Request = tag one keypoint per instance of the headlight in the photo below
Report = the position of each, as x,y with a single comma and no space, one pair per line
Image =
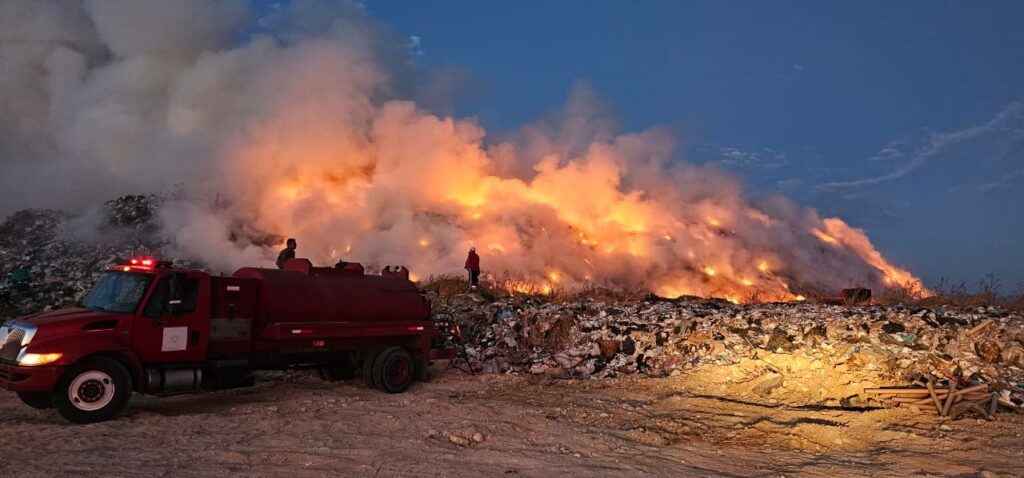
39,359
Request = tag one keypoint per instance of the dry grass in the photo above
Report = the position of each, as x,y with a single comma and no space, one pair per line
986,292
909,293
611,294
510,284
446,285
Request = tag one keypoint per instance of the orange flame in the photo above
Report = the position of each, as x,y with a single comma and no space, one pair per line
409,187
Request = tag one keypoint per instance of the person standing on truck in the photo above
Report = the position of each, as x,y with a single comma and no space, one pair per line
286,253
473,266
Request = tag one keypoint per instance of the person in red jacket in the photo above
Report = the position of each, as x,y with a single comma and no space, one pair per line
473,266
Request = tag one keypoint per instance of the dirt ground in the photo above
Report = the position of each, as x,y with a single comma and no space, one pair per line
292,424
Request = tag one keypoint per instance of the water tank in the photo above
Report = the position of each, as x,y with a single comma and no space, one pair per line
303,293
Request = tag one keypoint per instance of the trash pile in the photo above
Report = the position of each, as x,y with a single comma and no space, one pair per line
44,266
588,337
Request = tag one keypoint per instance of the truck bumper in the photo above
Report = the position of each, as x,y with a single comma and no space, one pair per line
28,379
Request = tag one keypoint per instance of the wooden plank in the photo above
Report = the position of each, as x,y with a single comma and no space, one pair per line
933,396
941,395
897,391
934,400
1007,403
919,405
923,408
978,328
910,399
976,388
949,399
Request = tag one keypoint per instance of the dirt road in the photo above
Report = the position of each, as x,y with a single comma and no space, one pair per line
294,425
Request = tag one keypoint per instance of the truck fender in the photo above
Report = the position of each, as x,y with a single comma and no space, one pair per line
115,346
133,364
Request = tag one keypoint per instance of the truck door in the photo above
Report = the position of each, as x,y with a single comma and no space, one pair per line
173,324
232,312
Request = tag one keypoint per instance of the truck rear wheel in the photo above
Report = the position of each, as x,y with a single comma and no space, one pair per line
393,370
368,360
39,400
92,390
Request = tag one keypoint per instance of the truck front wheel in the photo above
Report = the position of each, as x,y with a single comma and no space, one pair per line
39,400
393,370
92,390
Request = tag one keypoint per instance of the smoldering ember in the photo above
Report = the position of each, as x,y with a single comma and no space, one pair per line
243,237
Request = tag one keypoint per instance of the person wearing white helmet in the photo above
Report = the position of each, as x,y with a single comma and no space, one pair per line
473,266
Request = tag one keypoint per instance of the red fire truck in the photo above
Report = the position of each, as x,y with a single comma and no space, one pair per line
150,328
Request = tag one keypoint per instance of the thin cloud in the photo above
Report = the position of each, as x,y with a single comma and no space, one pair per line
888,154
789,184
939,145
1004,182
895,150
764,158
416,45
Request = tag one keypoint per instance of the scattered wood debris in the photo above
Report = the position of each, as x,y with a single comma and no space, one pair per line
945,402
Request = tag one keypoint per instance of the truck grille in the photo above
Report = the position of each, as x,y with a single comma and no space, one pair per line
10,346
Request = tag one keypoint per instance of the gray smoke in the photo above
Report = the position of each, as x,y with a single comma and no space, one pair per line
301,124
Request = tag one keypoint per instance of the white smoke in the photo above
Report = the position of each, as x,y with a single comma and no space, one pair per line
300,125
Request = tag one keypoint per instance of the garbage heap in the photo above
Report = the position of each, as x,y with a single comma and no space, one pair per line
50,259
869,345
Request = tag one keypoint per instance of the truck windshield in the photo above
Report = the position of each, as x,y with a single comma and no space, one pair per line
118,292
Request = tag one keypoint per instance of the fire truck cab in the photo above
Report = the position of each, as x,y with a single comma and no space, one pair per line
147,327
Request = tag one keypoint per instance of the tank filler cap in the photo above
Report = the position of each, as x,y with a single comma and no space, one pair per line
395,271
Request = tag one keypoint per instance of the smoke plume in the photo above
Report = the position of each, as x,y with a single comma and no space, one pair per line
301,125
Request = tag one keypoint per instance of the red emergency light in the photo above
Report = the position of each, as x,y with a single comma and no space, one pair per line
143,263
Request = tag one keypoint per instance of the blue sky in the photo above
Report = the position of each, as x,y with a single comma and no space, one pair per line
904,118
